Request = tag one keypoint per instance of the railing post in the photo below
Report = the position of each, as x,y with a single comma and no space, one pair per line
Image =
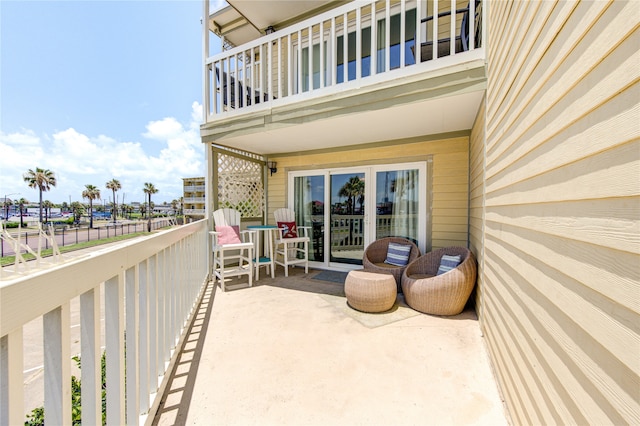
11,378
387,36
299,88
143,337
91,370
374,39
323,73
131,345
154,358
114,337
205,53
358,44
418,37
57,370
333,66
435,12
402,31
345,48
310,57
452,28
472,23
269,74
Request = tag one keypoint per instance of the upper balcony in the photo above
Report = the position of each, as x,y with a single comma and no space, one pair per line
307,71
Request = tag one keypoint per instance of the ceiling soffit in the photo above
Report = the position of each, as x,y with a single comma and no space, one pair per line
246,20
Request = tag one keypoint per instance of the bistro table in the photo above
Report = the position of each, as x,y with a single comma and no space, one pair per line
265,260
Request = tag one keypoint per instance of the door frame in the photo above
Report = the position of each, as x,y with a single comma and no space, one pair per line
369,171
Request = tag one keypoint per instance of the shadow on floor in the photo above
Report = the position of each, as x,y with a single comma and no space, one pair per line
174,405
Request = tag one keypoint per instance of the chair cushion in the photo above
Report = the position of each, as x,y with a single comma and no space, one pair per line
228,234
398,254
290,230
448,263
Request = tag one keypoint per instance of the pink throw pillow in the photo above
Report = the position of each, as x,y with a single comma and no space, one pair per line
228,234
290,230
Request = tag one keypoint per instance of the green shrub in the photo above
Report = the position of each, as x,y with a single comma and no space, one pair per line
36,418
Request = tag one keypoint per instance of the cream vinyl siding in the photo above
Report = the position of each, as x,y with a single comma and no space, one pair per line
561,264
476,199
450,171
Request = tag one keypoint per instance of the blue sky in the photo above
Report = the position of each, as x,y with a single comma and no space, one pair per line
97,90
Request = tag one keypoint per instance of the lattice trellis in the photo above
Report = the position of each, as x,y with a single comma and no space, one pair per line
240,185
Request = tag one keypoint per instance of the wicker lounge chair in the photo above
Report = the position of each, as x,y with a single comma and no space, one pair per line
444,294
376,253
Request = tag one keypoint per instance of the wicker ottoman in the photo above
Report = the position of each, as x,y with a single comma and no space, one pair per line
370,292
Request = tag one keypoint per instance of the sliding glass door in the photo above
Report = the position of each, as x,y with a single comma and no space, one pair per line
347,216
349,208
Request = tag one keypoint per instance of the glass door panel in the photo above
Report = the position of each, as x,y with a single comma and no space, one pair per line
309,207
347,217
397,204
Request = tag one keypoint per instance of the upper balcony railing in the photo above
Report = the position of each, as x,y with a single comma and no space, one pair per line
194,200
194,212
143,292
314,58
194,188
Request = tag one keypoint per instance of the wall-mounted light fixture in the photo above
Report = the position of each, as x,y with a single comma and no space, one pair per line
270,30
272,166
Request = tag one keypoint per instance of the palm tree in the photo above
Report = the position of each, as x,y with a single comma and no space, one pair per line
175,205
149,189
353,189
21,204
6,204
46,205
41,179
114,185
92,193
77,209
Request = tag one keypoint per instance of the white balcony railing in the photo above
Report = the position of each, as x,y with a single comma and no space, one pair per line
193,200
150,289
314,58
194,188
194,212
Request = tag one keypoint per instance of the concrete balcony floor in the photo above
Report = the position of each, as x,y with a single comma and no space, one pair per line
290,351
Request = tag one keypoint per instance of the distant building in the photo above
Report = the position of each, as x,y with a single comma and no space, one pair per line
164,209
194,198
9,207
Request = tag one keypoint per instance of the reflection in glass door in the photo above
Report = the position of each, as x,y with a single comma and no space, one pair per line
397,204
347,217
309,208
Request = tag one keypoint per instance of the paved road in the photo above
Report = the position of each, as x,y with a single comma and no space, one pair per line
69,235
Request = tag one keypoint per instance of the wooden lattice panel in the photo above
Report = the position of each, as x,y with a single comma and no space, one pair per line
240,185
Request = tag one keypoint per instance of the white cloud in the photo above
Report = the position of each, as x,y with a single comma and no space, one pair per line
78,159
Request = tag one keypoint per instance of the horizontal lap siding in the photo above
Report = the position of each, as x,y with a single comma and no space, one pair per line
451,198
476,200
450,171
561,263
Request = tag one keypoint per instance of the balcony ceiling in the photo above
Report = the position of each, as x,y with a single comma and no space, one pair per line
246,20
414,120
